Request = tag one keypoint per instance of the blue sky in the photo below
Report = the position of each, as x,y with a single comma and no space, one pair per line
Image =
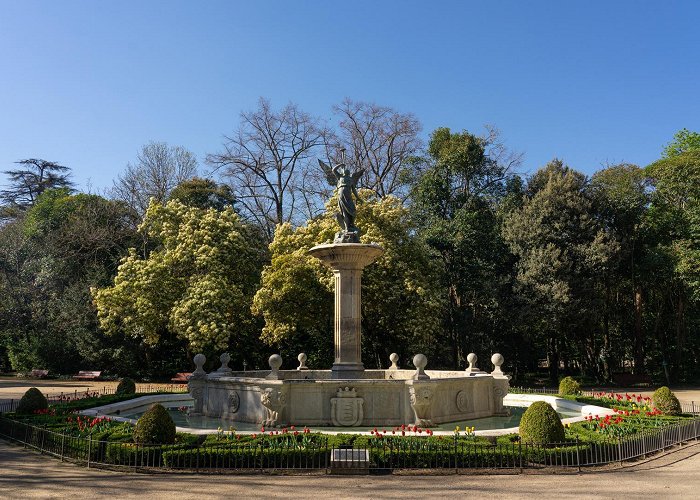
87,83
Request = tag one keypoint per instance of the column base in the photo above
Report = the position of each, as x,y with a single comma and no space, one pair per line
347,370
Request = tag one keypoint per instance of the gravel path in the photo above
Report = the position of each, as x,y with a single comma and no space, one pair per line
26,474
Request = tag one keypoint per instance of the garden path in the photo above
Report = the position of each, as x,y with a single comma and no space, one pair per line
26,474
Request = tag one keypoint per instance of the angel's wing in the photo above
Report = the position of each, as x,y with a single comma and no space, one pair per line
357,175
328,171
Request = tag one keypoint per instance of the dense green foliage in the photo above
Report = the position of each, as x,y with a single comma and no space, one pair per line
156,426
126,386
31,401
196,286
540,424
666,402
562,273
569,387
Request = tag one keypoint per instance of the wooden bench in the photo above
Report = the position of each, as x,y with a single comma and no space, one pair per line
631,379
182,377
39,373
87,375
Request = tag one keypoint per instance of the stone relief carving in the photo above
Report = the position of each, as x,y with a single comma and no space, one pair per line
347,408
197,394
462,401
274,401
421,402
234,402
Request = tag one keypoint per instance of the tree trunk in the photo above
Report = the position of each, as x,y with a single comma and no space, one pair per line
553,356
680,335
638,332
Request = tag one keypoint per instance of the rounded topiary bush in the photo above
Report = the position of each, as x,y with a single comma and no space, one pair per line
541,425
569,387
156,426
666,402
32,400
126,386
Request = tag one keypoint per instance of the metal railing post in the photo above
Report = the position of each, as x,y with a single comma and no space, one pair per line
89,449
520,455
578,456
63,444
619,450
455,450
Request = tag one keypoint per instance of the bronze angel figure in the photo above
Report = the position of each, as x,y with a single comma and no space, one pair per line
346,186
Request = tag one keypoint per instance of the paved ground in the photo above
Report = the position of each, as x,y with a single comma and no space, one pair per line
26,474
14,388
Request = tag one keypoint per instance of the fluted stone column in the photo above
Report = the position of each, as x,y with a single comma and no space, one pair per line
347,260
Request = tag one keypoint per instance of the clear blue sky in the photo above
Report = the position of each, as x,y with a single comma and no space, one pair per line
87,83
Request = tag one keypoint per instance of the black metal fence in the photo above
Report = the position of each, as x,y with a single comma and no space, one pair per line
319,453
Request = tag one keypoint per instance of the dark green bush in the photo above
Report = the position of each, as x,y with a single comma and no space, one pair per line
156,426
126,386
32,400
666,401
540,424
569,387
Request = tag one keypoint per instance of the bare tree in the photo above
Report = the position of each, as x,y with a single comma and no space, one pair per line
382,141
266,161
159,168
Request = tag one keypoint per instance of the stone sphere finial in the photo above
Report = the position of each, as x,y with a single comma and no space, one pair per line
394,358
224,358
497,360
471,359
420,362
275,361
302,361
199,361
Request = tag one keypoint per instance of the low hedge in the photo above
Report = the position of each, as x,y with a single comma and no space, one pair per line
246,457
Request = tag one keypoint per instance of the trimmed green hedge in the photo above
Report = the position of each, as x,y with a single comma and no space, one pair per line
156,426
666,401
540,424
569,387
32,401
126,386
246,457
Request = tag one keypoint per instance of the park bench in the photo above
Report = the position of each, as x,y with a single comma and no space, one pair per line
39,373
631,379
181,377
87,375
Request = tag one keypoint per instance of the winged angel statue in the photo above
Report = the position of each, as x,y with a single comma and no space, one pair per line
346,187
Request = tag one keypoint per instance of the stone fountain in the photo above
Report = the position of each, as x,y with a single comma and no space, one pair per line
347,395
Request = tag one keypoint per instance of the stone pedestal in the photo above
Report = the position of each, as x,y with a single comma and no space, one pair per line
347,261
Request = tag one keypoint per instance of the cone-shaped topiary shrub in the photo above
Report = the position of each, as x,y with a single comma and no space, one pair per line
569,387
155,427
126,386
32,400
666,401
541,425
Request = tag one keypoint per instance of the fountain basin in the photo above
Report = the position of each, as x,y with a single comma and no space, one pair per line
379,398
